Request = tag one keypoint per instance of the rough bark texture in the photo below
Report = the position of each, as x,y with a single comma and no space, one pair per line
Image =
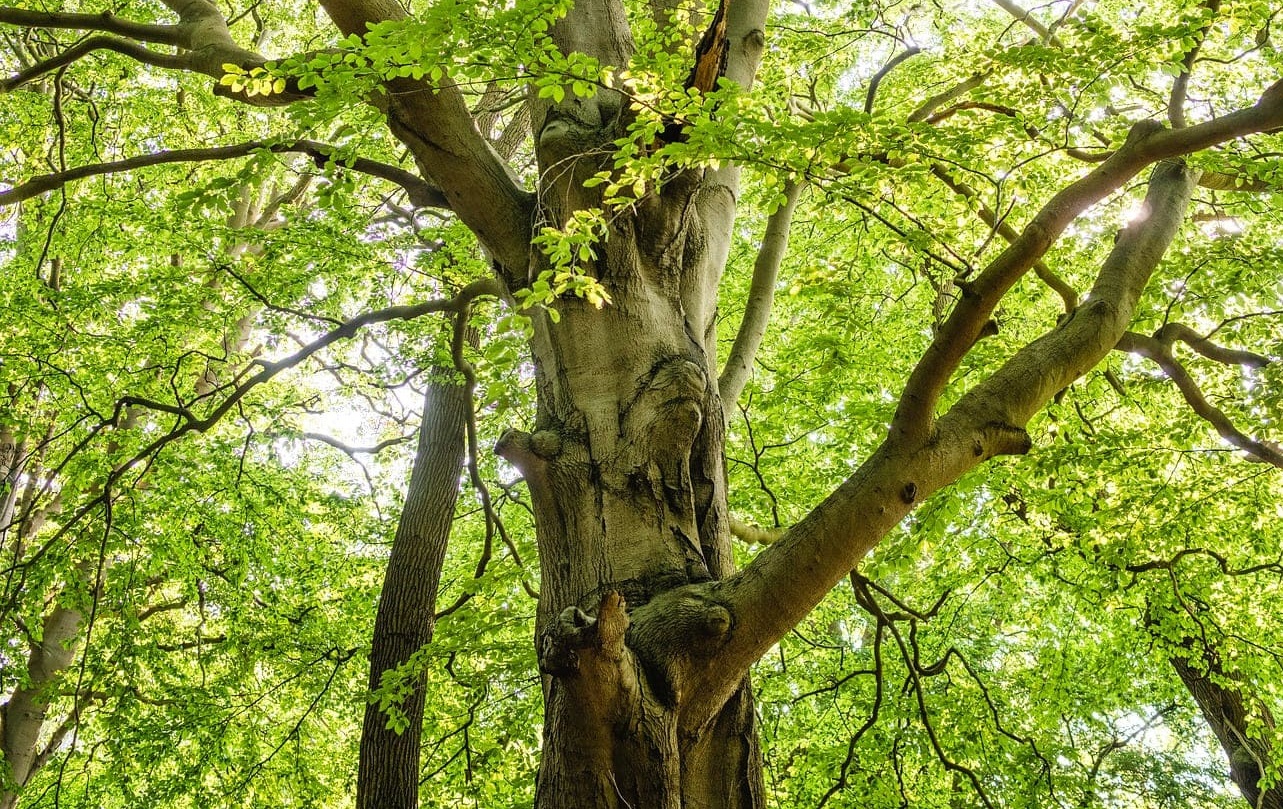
1224,708
388,773
626,474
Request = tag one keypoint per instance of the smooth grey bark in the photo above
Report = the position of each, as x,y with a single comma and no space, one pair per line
23,717
388,771
761,294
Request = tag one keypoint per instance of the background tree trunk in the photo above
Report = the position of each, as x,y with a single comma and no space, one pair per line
1224,708
388,773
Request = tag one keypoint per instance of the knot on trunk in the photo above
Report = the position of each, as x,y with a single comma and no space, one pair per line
576,635
674,634
660,426
1000,438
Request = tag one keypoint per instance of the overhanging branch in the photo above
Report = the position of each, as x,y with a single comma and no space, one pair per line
82,49
421,193
105,22
1153,348
1147,143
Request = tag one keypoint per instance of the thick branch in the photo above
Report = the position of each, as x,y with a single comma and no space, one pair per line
757,311
1155,349
1028,19
88,46
787,579
1148,142
105,22
1228,356
872,93
1180,87
421,193
434,122
203,40
1046,366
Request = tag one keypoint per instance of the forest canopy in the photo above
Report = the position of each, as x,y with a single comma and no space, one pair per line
917,362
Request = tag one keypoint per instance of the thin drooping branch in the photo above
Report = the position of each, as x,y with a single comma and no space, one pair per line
761,294
1155,349
1147,143
105,22
189,422
421,193
1068,295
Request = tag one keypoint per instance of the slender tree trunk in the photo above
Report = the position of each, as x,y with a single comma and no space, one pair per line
1224,708
23,717
388,773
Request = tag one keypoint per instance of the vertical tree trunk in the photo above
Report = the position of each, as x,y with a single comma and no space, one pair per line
1224,709
626,473
23,717
388,773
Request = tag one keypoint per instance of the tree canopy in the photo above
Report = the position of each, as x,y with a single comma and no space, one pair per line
999,318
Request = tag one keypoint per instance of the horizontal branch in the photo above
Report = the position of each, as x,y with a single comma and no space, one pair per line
1221,562
421,193
202,39
1156,350
105,22
95,43
1228,356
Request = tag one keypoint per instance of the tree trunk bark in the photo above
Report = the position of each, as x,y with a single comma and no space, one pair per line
626,474
1224,709
388,772
23,717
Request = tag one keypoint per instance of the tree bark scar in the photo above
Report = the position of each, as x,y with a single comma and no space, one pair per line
711,53
711,56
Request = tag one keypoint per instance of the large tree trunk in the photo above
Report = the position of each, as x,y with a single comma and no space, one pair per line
388,773
626,472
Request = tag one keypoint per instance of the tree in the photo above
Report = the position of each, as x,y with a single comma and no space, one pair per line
957,171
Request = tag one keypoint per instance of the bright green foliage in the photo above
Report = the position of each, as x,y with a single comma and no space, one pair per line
1009,645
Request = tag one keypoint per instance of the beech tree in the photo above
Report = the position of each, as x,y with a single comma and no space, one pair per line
750,302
